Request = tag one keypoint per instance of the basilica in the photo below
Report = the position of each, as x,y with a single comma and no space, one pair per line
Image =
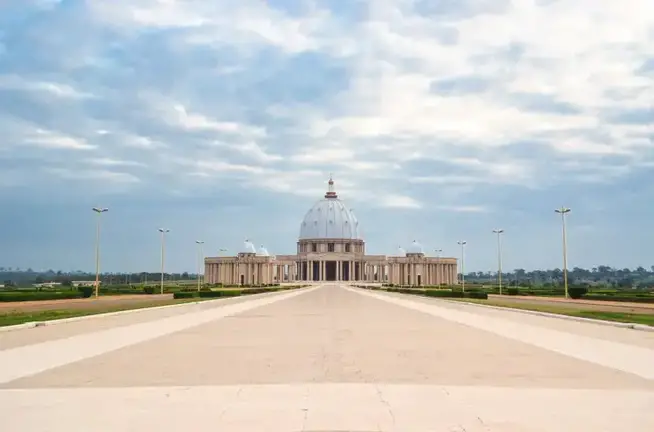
330,248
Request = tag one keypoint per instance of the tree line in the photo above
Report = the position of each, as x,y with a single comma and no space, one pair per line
17,277
602,275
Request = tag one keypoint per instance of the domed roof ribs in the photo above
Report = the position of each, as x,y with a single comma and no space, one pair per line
330,189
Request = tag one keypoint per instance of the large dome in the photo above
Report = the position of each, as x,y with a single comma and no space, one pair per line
329,218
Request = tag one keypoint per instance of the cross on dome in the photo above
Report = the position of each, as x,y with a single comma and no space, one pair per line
330,189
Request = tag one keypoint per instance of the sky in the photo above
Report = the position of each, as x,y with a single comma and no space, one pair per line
222,120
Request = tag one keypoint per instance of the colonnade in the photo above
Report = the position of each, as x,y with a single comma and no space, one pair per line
399,273
329,270
233,271
248,273
429,273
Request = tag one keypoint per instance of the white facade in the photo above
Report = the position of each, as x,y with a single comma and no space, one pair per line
330,248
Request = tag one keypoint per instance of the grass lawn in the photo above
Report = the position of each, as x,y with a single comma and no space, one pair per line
13,318
636,318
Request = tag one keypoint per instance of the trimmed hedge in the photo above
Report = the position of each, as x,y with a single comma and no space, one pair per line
619,298
87,291
444,293
16,296
148,289
577,292
185,294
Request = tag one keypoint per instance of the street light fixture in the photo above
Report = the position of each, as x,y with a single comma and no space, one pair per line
163,232
463,243
99,211
563,211
438,265
499,232
199,243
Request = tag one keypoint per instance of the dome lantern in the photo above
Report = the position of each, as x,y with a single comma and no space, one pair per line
331,193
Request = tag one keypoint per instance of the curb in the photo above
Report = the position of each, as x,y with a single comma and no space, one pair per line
633,326
34,324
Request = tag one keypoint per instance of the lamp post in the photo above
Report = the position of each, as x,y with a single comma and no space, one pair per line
563,211
99,211
463,243
199,243
499,232
438,265
163,232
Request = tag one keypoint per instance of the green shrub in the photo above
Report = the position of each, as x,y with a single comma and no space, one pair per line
220,293
444,293
15,296
86,291
185,294
477,295
620,298
513,291
258,290
577,292
148,289
210,294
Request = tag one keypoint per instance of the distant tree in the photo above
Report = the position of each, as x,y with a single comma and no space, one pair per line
626,282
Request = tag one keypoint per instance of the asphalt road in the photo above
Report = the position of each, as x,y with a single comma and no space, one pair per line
327,358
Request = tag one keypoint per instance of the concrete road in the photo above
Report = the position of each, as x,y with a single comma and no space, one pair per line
329,358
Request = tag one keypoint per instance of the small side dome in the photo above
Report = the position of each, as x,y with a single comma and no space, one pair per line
416,248
248,247
263,251
401,251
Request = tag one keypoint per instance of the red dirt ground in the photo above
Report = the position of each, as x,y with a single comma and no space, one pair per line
85,304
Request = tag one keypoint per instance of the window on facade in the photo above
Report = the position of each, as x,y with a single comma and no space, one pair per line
314,247
347,247
330,247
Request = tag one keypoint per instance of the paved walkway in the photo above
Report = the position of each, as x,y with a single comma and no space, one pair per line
329,358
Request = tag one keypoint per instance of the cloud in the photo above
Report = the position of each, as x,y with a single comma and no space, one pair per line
14,82
57,141
113,162
464,209
94,174
192,121
411,104
400,201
